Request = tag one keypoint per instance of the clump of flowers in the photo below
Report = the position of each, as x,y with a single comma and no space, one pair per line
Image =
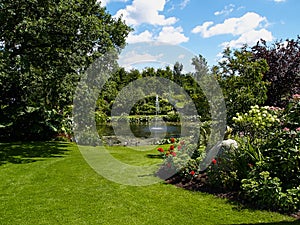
258,117
178,157
257,120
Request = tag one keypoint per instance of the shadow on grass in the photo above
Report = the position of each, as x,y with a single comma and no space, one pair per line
30,151
271,223
154,156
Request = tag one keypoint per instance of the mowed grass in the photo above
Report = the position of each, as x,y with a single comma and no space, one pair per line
51,183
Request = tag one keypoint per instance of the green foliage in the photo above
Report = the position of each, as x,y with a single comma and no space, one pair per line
241,78
265,167
45,47
146,106
265,192
292,112
229,167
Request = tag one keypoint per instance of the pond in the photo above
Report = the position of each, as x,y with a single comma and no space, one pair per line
146,133
139,130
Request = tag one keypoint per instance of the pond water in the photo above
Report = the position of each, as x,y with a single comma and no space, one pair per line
140,130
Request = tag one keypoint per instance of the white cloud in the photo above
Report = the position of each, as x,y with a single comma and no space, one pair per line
105,2
172,35
203,28
168,34
131,58
184,3
234,26
249,28
279,0
145,11
250,38
226,11
145,36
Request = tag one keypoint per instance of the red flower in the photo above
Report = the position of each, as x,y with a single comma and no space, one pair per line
160,149
214,161
172,140
192,172
179,147
172,147
173,154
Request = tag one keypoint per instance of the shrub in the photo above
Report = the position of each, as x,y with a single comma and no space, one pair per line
182,158
273,150
266,192
229,167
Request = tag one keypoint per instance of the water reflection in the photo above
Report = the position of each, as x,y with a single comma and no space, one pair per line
140,130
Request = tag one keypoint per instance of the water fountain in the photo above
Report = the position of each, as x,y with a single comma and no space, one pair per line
159,126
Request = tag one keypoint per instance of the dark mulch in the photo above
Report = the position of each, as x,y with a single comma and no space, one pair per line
200,184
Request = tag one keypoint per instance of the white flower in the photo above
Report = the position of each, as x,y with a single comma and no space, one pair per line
229,143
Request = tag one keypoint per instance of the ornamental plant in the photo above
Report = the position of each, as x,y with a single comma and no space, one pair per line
291,118
274,154
257,121
179,157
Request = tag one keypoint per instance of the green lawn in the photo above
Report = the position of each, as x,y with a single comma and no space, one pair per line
51,183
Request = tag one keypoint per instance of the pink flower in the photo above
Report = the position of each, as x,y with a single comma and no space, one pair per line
286,129
179,147
296,97
214,161
192,172
298,129
182,142
173,154
273,108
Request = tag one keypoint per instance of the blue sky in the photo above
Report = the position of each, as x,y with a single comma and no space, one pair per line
206,27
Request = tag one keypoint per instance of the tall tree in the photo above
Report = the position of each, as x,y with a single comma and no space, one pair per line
241,78
45,46
283,58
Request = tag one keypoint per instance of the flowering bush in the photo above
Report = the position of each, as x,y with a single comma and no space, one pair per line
257,121
273,151
179,157
229,167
